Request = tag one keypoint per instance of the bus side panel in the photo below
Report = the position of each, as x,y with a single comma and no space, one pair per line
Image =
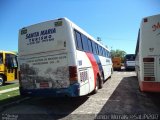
85,74
107,66
90,66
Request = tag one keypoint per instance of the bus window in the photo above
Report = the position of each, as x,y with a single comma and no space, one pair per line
130,57
94,47
78,41
101,52
14,60
8,61
97,50
90,46
85,43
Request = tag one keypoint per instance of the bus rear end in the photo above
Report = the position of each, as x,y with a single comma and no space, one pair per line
44,60
116,63
129,62
150,54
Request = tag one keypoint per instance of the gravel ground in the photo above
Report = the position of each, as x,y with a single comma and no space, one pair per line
119,98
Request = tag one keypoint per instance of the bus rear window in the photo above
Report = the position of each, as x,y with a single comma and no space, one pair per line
130,57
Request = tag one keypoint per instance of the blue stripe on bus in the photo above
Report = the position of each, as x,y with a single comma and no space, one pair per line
71,91
99,64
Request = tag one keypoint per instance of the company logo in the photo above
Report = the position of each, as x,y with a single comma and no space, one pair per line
156,26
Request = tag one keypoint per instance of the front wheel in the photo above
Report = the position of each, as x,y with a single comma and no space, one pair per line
1,80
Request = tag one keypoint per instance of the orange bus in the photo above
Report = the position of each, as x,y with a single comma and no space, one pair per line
116,63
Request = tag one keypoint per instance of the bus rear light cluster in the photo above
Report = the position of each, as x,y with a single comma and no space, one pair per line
148,59
73,76
149,78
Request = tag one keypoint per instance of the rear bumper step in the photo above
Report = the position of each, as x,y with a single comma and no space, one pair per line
71,91
150,86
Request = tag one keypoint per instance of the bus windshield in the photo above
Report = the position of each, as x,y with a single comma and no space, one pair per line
130,57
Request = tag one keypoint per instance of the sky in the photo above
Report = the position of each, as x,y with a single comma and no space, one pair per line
116,22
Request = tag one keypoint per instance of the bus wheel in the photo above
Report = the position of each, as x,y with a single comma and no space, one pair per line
101,83
1,80
97,86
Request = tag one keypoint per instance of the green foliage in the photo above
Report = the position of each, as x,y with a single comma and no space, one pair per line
118,53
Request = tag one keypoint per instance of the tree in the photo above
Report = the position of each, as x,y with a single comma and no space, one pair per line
118,53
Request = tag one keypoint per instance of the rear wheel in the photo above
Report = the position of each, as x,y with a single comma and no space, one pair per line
1,80
97,86
101,82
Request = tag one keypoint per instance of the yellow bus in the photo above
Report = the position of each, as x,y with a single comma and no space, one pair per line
116,63
8,66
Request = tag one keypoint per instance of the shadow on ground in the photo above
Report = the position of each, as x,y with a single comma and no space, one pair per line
48,108
127,99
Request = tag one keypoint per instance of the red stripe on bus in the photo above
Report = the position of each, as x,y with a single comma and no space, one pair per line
150,86
94,65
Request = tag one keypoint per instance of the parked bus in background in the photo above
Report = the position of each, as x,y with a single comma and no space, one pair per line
117,63
8,66
58,58
129,61
148,54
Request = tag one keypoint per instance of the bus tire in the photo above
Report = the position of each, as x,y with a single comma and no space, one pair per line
1,80
97,86
101,82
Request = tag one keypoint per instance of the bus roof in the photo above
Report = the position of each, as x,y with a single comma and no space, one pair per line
74,26
10,52
151,16
84,32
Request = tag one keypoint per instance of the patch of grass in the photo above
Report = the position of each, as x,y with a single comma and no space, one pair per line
9,97
9,94
9,86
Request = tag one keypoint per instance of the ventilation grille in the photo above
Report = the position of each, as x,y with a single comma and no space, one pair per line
149,69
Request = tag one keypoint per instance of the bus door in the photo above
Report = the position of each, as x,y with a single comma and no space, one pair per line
1,63
11,67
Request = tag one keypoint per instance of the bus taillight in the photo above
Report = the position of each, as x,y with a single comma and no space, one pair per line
73,76
149,78
148,59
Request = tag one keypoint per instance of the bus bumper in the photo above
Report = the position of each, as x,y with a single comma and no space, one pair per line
150,86
71,91
130,68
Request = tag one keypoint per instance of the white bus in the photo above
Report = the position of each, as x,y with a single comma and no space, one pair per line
148,54
58,58
129,61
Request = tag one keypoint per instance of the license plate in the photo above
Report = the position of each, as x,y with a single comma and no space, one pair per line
44,85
